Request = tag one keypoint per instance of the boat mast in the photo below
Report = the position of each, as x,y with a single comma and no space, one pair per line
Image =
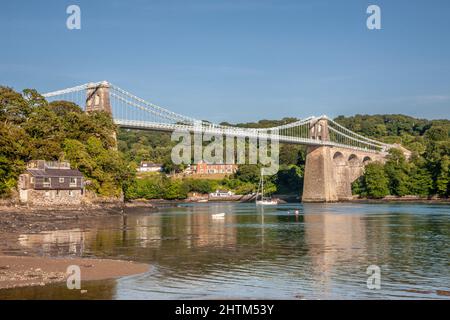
262,186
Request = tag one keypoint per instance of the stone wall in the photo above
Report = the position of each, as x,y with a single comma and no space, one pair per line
51,197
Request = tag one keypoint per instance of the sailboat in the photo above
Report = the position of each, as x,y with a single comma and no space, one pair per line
264,201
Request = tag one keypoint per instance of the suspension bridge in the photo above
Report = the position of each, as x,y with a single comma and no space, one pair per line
132,112
335,155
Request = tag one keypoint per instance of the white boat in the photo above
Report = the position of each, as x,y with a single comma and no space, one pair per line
218,215
264,201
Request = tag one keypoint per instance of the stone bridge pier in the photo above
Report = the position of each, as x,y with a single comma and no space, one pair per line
329,170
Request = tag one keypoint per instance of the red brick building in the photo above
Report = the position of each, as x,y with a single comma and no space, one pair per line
205,168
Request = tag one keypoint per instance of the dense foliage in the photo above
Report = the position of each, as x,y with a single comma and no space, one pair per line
31,128
156,147
426,173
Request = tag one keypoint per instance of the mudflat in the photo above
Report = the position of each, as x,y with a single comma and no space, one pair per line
19,271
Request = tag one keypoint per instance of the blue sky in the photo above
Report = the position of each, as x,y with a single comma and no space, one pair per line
239,60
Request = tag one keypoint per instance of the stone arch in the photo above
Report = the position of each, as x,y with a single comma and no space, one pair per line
367,160
353,160
97,100
339,159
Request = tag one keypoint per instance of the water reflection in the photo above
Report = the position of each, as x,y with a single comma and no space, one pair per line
321,252
54,243
335,240
99,290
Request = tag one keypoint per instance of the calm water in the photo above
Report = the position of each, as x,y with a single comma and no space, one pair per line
321,253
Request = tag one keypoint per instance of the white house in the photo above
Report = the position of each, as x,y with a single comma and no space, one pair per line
221,194
150,167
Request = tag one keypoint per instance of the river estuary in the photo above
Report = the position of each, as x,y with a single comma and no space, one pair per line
322,252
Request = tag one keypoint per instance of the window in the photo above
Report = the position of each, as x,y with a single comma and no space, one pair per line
73,182
32,179
47,182
71,193
61,180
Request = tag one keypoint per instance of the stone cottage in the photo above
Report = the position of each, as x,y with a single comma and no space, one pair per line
51,183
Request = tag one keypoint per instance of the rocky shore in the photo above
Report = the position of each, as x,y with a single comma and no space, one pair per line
33,219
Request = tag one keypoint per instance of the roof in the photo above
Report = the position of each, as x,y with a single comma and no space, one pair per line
214,163
150,164
54,173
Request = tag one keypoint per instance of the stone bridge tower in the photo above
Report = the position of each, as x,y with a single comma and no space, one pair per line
329,170
97,98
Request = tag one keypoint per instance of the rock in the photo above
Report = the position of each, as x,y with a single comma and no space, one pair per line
443,293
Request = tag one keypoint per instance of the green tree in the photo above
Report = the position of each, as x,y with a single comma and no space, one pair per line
248,173
421,181
437,133
375,181
175,189
397,171
443,177
289,179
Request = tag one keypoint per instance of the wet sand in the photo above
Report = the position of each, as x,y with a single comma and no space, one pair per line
40,271
24,270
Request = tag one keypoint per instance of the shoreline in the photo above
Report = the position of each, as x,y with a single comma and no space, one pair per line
162,202
117,208
26,270
29,271
33,219
23,270
399,200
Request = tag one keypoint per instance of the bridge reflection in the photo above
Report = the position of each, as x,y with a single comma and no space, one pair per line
319,252
183,239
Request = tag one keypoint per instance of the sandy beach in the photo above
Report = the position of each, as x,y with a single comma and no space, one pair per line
27,270
40,271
